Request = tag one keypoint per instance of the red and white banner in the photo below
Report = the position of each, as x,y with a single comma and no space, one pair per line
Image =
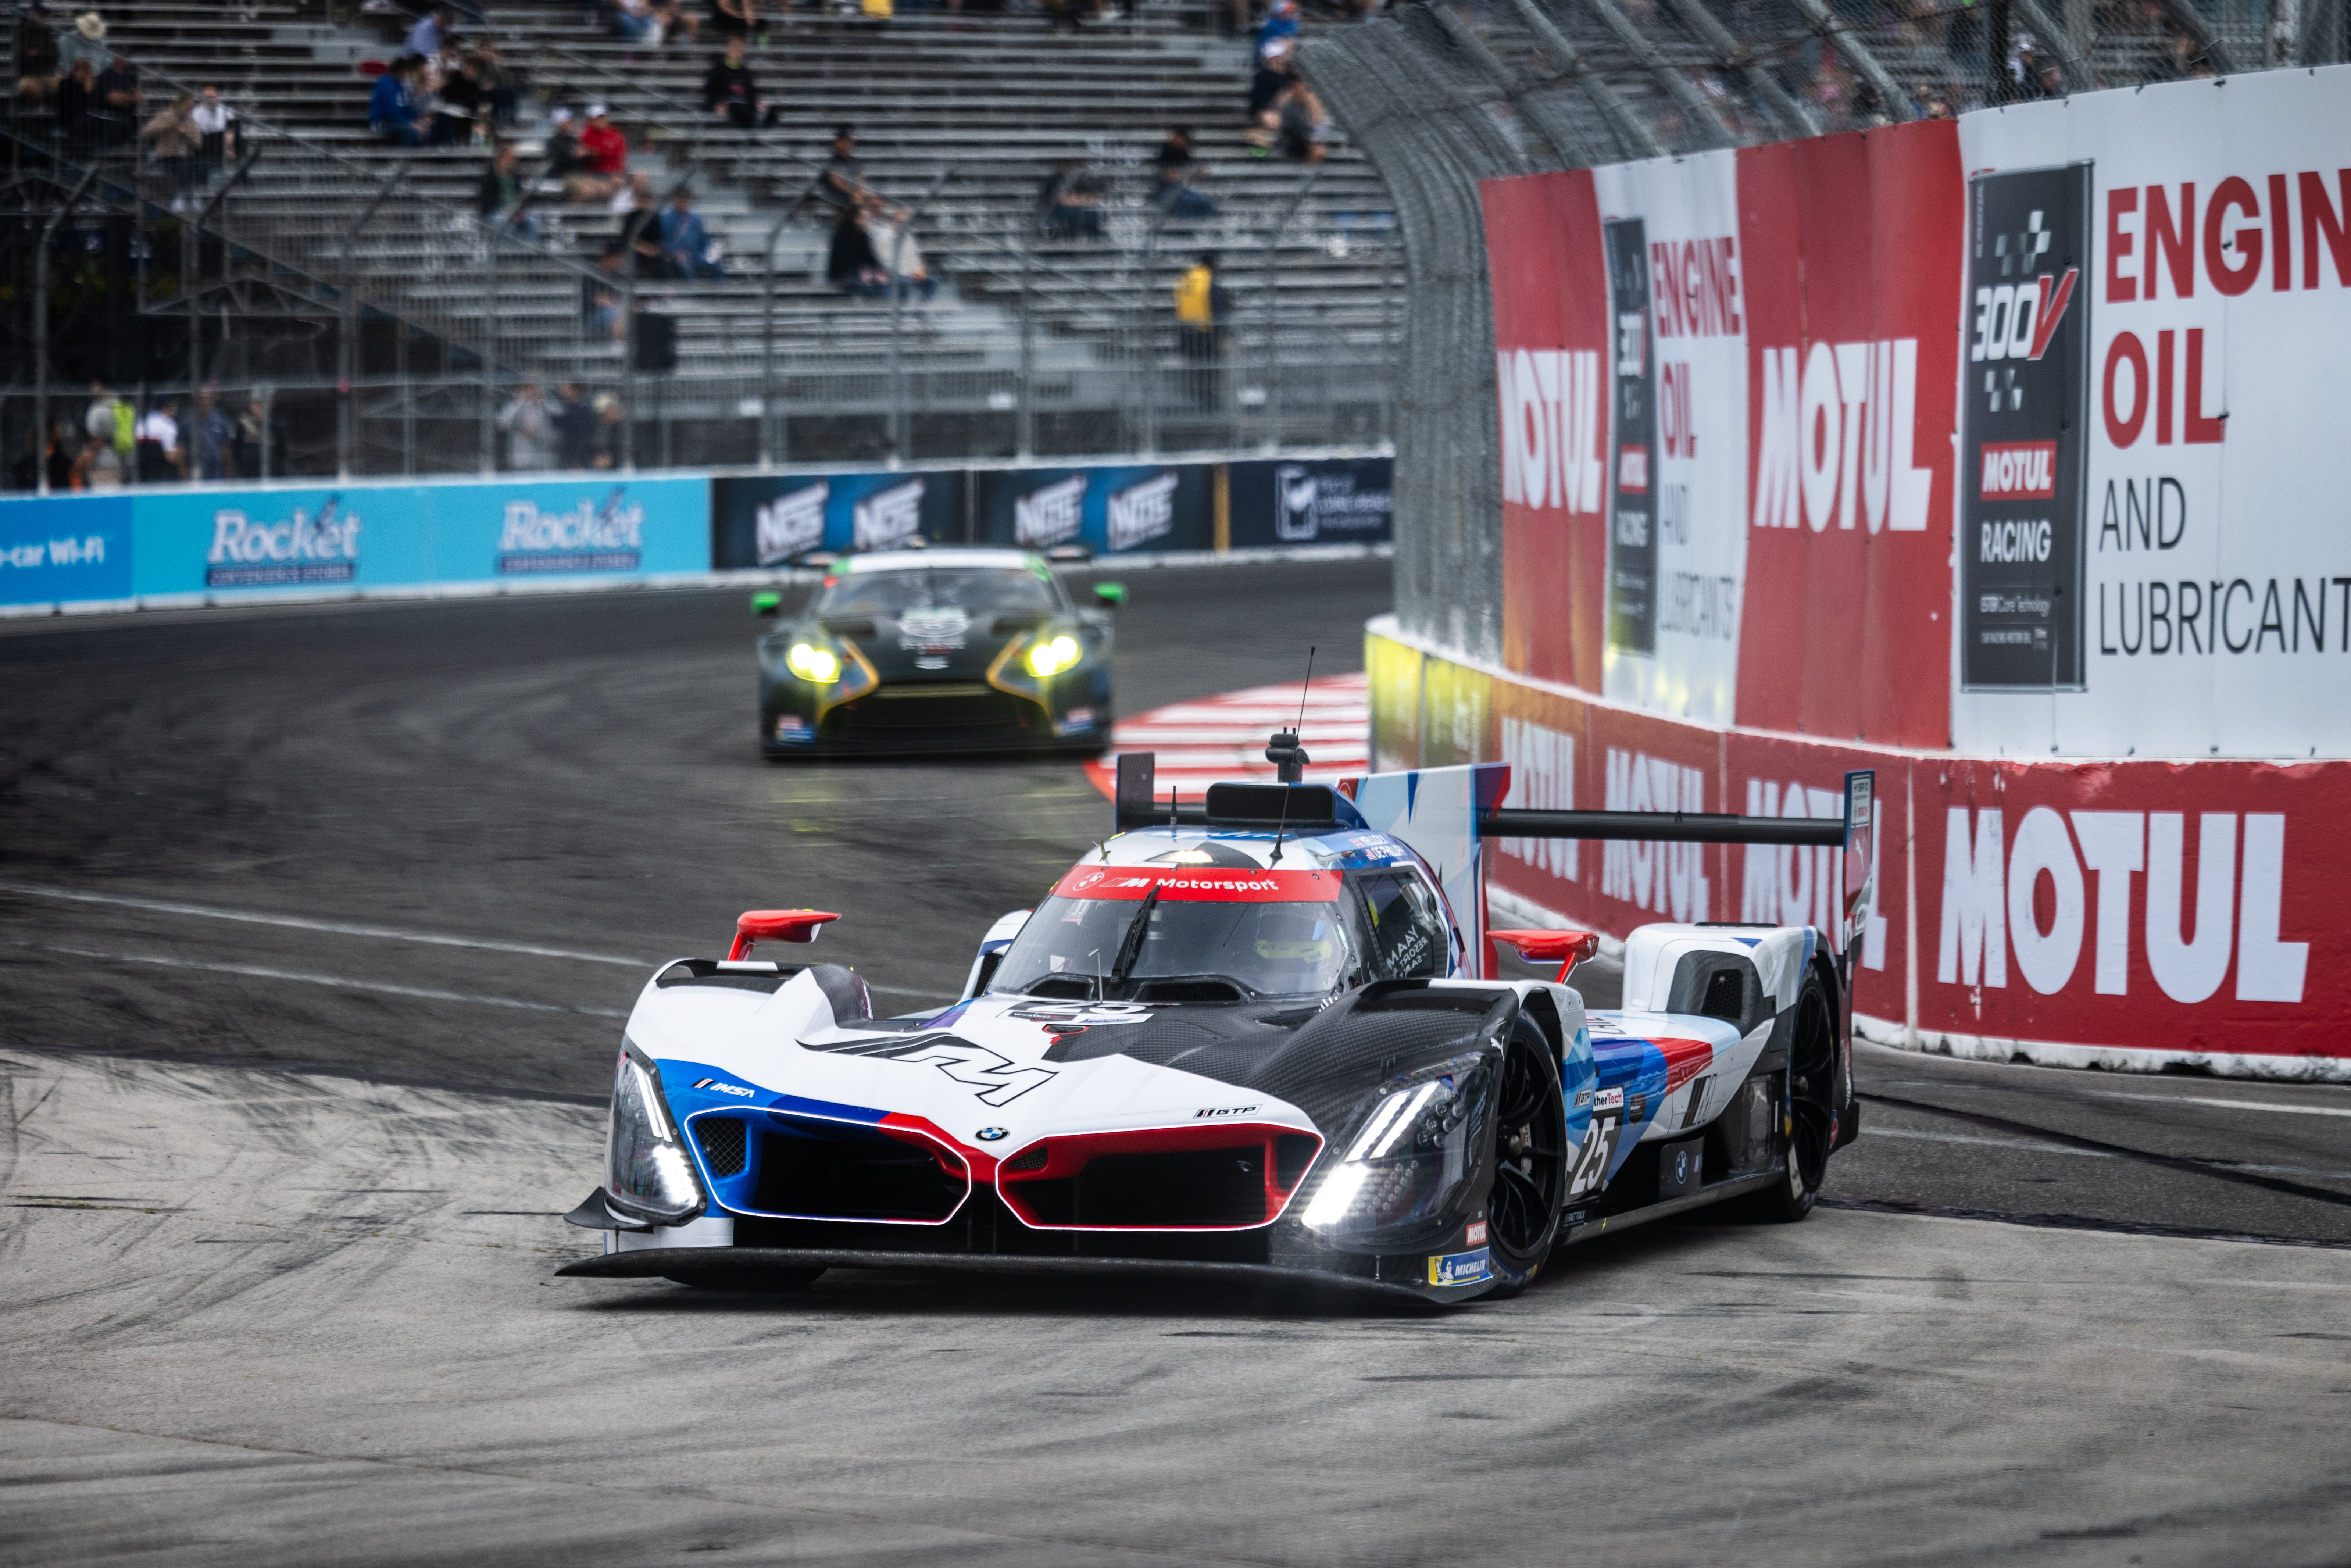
1937,449
2013,434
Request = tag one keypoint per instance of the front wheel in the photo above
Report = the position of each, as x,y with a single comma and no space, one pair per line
1530,1161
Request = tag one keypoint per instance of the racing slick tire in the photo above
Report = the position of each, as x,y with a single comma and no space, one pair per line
764,1282
1808,1109
1530,1161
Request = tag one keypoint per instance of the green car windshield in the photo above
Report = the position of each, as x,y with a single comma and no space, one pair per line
975,589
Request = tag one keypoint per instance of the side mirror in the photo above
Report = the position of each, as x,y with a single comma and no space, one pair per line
766,605
1110,593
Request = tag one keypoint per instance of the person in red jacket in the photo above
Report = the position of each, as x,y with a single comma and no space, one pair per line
603,147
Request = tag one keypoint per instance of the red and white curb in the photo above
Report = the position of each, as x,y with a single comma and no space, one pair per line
1209,740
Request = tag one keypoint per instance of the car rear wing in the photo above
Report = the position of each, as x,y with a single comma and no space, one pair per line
1446,814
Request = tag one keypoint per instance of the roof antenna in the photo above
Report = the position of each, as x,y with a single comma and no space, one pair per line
1288,758
1175,815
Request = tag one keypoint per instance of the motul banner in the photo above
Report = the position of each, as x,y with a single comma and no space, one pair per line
2130,912
2010,436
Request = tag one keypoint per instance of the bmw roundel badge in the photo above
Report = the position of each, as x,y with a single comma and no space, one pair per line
990,1134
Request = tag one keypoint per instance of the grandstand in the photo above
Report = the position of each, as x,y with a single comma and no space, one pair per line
337,260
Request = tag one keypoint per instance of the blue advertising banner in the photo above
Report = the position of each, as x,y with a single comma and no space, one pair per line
1165,507
1312,501
184,543
769,520
62,548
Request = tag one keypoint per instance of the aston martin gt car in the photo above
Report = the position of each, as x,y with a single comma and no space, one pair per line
938,650
1265,1043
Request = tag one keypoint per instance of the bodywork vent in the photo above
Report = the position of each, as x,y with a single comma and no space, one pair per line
1207,1178
724,1145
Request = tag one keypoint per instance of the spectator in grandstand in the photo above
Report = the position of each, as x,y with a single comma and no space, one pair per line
85,41
497,82
460,107
842,185
424,40
160,459
641,230
1301,123
601,293
736,19
1278,34
1068,204
1267,84
55,456
77,98
172,133
891,231
851,267
633,23
499,197
530,430
1177,194
1204,311
610,416
217,125
687,242
634,196
260,442
730,93
575,426
393,110
603,147
212,438
567,164
676,22
116,104
110,424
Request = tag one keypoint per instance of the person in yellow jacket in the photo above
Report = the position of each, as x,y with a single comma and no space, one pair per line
1204,311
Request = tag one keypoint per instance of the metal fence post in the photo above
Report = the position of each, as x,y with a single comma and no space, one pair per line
41,337
347,436
489,434
1024,432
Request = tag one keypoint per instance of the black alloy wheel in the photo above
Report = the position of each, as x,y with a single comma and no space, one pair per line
1529,1159
1810,1107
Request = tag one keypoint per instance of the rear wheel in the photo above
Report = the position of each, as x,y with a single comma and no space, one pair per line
1808,1109
1530,1160
761,1280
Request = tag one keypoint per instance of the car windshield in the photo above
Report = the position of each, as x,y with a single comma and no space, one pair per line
1093,948
975,589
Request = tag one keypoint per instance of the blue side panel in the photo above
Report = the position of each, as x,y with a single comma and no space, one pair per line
1635,1068
1579,1077
692,1086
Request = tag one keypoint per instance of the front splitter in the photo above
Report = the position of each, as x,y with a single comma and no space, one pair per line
662,1262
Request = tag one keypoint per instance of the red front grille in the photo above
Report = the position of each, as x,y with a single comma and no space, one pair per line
1208,1177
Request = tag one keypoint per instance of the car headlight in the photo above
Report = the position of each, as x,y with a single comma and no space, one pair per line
810,663
1411,1156
1048,659
648,1174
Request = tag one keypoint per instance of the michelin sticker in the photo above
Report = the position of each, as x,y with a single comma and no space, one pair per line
1460,1268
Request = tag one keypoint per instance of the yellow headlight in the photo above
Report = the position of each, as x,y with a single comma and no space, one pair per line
1048,658
813,664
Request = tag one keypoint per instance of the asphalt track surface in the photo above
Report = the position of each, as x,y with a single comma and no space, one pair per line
316,925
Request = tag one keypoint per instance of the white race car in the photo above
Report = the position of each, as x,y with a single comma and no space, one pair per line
1260,1038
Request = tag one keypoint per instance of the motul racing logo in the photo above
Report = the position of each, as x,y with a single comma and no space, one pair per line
1551,454
1838,424
2019,470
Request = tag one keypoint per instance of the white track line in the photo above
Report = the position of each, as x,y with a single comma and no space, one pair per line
381,933
337,927
338,982
2226,1104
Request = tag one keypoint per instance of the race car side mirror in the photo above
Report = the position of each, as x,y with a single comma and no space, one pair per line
753,925
1570,947
765,605
1110,593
